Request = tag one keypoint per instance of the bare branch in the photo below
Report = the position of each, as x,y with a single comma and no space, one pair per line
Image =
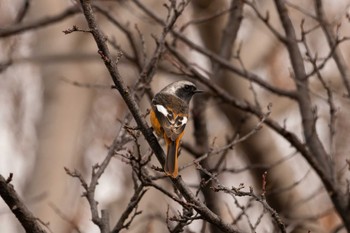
229,34
126,31
45,21
332,41
25,217
237,192
23,11
265,19
309,119
216,58
147,132
196,206
133,203
304,101
330,99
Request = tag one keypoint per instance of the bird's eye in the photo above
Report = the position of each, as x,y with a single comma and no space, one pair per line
188,87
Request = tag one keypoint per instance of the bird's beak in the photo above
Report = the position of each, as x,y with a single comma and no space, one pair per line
198,91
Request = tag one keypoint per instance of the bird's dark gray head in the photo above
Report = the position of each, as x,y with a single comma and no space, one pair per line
182,89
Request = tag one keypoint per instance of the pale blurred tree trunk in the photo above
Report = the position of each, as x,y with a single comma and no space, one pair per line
20,108
79,123
65,110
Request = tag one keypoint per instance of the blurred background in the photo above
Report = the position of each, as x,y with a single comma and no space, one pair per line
57,110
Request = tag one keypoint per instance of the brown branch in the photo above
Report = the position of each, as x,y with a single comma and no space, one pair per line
236,140
126,31
84,84
149,69
101,220
216,58
336,196
330,98
200,121
265,167
25,217
146,131
205,19
229,34
326,58
313,142
301,10
23,11
332,41
202,144
133,203
45,21
237,192
265,19
74,28
304,101
186,218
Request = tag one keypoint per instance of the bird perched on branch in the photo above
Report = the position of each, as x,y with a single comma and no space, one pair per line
169,115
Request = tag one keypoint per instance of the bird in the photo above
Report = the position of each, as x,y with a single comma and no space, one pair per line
169,115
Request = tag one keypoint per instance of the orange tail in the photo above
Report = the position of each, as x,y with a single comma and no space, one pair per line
171,167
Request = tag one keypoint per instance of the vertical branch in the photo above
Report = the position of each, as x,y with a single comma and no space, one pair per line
229,35
307,111
206,213
101,220
119,84
339,199
202,144
122,223
26,26
332,42
330,98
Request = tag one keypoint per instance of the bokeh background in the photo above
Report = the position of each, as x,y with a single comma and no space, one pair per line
57,110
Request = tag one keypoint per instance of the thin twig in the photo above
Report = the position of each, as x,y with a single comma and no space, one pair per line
146,131
64,217
23,11
40,23
265,19
323,163
332,41
132,205
216,58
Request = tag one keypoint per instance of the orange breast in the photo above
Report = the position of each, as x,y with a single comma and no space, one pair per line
155,124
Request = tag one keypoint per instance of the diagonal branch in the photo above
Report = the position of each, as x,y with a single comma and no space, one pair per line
247,107
332,41
24,216
134,201
141,122
229,34
308,115
45,21
218,59
101,220
304,101
228,38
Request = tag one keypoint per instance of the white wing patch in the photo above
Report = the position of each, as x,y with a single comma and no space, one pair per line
180,121
161,109
184,121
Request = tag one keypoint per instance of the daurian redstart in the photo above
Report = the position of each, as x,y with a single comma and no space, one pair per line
169,115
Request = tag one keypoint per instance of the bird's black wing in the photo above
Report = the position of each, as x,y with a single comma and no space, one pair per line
172,114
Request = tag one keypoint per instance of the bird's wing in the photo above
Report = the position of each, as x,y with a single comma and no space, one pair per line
173,119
